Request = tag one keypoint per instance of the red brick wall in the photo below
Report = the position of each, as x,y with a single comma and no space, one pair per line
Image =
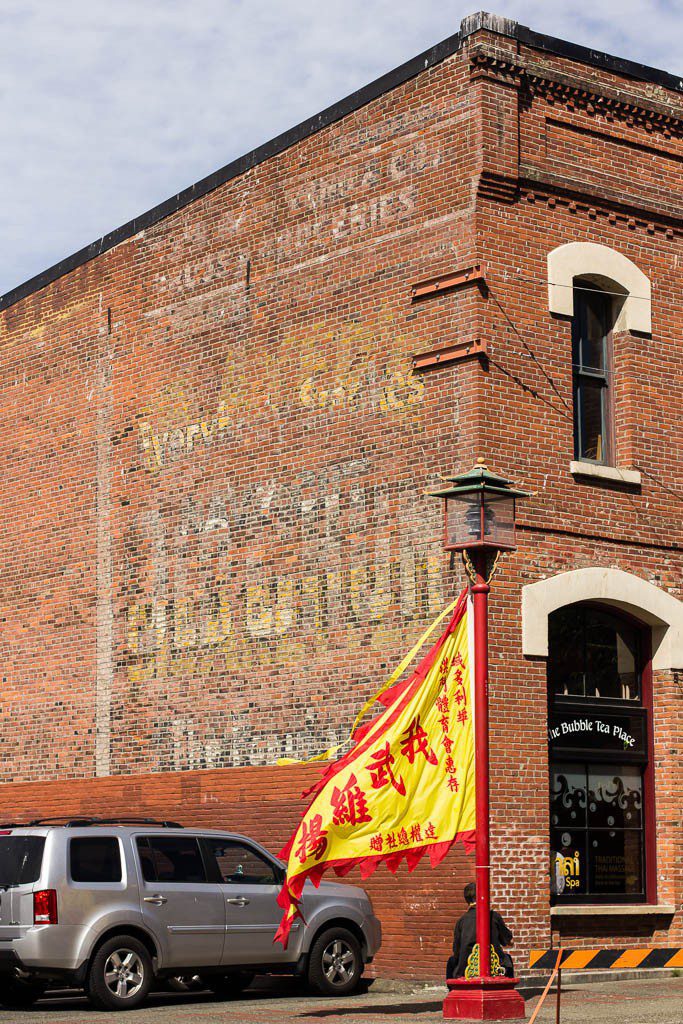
217,539
243,448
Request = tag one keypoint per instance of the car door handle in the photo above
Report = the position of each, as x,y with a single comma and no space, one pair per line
158,900
238,901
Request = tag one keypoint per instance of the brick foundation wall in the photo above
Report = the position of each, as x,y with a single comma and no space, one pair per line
216,456
417,910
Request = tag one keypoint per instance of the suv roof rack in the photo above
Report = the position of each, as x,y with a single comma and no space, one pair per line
63,819
84,822
123,820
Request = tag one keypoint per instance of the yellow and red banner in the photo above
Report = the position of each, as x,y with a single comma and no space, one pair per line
405,788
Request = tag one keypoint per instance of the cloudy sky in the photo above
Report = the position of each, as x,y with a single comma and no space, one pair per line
111,106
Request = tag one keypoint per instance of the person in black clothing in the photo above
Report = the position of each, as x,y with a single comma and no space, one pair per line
465,937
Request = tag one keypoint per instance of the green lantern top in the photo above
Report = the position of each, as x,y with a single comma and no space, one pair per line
479,478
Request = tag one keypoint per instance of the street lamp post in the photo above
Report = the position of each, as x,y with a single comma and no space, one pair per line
479,521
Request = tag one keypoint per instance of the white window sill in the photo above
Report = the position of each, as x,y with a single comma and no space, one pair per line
614,910
613,473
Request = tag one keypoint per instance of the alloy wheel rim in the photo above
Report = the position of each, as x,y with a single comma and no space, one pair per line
339,962
124,973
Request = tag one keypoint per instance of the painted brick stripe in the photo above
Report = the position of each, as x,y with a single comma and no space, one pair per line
601,959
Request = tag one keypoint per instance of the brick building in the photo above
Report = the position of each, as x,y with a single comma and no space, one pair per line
220,423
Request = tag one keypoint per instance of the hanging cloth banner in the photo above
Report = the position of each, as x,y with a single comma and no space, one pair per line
405,788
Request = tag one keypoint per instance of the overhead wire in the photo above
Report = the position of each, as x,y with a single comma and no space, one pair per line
574,287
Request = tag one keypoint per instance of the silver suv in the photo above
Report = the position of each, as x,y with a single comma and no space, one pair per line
115,906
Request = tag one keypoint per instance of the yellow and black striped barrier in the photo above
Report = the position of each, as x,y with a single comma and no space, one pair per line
604,959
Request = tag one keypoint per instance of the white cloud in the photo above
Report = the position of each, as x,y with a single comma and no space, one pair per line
109,108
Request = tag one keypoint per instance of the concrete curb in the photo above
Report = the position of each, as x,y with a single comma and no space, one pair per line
528,983
533,982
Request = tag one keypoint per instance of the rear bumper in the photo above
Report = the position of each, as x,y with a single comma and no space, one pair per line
43,948
372,929
11,964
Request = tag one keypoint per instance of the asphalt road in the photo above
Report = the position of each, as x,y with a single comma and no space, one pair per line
655,1001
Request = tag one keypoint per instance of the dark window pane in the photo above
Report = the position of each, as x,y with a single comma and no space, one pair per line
611,657
615,862
95,860
615,797
592,324
592,653
176,859
238,863
594,314
568,862
566,651
21,858
601,669
568,796
591,396
146,861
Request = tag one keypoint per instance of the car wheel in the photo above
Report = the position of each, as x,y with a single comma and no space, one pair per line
335,963
20,993
120,974
228,986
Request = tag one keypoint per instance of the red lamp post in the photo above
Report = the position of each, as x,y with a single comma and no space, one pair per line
479,521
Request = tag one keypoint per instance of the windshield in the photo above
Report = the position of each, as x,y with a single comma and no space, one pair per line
20,859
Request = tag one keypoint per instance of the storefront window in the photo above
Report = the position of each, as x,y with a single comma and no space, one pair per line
593,653
596,825
597,730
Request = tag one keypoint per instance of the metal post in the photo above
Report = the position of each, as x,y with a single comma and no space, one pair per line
480,593
482,998
559,995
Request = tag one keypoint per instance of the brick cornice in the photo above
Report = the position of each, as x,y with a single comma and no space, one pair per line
610,103
601,200
572,91
502,187
498,65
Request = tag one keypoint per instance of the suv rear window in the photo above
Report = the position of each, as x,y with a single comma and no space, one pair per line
171,859
21,858
96,859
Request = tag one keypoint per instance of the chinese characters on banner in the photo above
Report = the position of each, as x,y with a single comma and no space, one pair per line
406,787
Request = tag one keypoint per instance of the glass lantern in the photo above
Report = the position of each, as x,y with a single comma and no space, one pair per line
479,511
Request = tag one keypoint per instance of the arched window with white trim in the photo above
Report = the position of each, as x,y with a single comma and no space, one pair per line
605,294
601,799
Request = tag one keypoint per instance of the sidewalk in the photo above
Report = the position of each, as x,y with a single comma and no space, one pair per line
652,1001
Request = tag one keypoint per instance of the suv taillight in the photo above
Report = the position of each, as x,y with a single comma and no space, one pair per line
45,907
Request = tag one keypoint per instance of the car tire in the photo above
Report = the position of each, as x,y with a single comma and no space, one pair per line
20,993
228,986
335,963
120,974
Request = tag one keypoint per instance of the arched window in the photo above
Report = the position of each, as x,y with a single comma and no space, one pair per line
598,728
604,293
592,372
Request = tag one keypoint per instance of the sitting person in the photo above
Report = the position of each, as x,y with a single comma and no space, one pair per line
465,938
